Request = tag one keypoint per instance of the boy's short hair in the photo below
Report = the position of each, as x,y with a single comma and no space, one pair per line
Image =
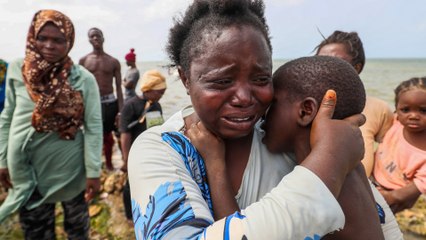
313,76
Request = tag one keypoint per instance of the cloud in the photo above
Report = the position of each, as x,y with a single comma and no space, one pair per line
161,9
286,2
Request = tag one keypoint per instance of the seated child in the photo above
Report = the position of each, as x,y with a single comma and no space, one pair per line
299,86
400,160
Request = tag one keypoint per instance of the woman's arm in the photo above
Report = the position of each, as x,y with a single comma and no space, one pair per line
380,119
92,134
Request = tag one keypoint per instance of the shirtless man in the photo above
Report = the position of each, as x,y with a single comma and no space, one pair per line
106,69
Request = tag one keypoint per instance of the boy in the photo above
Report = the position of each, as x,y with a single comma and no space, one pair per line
299,86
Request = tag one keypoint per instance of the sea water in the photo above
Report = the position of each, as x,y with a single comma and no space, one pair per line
380,78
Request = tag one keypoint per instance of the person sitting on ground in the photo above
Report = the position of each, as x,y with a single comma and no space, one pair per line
50,133
138,114
348,46
299,86
106,69
132,75
223,55
400,164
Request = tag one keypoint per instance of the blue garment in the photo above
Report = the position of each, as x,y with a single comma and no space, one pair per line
3,72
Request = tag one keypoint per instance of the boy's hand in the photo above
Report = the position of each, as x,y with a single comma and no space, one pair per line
337,145
210,147
341,139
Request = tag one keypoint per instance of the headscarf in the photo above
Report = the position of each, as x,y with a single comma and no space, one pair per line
58,107
131,56
152,80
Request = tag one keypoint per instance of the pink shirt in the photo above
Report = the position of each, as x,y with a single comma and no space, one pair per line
398,163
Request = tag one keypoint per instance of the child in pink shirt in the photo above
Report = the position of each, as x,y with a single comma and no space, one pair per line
400,160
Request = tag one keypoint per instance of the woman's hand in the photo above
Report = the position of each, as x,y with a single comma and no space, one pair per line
5,178
92,188
337,145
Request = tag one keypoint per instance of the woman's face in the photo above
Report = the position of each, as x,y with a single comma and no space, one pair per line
230,82
154,95
336,50
51,43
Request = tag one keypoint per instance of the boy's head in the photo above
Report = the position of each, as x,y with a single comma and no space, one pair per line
299,87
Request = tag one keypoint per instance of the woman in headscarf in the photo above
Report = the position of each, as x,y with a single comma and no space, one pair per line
138,114
50,133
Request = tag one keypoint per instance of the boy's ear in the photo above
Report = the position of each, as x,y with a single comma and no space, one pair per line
183,78
307,111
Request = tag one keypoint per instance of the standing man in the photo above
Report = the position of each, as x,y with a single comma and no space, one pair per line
132,75
106,69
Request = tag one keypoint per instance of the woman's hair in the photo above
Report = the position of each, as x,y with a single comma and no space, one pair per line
353,46
412,83
211,16
313,76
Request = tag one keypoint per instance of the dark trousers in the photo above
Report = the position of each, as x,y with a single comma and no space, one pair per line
39,223
109,112
126,200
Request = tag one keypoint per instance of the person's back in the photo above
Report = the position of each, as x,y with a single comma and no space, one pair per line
400,164
299,85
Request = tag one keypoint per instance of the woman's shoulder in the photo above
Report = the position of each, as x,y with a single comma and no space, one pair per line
14,69
81,74
79,71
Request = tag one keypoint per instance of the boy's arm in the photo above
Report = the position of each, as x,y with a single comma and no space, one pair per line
402,198
358,204
212,150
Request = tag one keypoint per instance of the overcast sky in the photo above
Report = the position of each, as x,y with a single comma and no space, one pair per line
388,28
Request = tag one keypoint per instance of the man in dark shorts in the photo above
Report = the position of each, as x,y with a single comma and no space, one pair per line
106,70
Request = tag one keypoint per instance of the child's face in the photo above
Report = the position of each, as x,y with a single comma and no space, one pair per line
411,110
281,124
